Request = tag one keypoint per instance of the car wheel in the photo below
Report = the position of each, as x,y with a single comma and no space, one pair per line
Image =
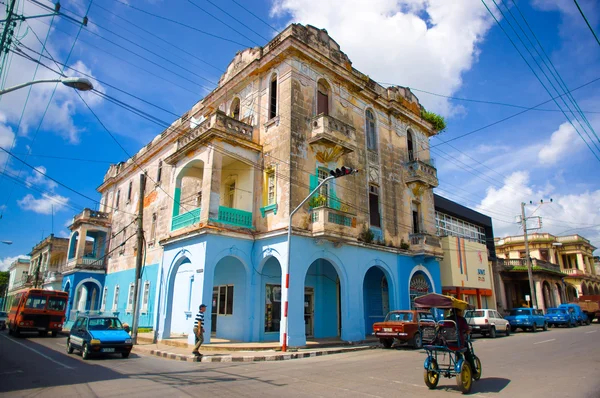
54,333
417,341
387,343
85,352
513,329
534,328
10,331
125,354
545,327
493,332
588,322
507,331
69,347
17,332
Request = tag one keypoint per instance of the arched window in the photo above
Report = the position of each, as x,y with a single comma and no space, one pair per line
273,97
370,127
410,146
323,97
235,108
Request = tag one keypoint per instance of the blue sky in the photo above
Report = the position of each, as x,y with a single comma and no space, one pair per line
449,48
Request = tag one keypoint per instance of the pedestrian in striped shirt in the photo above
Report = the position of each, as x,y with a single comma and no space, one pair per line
199,329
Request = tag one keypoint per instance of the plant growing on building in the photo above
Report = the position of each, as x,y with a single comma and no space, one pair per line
436,120
317,201
404,245
366,235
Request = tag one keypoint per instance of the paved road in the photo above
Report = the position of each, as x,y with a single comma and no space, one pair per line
557,363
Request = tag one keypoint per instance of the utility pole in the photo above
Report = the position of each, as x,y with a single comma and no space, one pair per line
138,258
527,258
7,32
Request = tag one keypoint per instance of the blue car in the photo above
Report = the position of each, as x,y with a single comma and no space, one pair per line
560,316
580,316
526,318
99,335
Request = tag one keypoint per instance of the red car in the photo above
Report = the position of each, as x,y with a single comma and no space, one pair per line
404,326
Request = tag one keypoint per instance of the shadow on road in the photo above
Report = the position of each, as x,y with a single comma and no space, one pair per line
490,384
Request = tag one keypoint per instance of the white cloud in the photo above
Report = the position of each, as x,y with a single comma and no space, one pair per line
427,44
7,136
562,143
44,205
37,178
7,261
566,214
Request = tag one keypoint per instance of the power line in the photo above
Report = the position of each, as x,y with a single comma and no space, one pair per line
587,22
256,16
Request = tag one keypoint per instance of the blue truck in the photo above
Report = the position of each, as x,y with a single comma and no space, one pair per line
560,316
526,318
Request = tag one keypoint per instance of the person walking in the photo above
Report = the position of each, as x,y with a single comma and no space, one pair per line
199,330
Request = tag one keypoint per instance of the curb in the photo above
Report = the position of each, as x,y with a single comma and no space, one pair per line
253,358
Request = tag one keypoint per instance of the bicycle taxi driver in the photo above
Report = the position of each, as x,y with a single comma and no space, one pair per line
464,331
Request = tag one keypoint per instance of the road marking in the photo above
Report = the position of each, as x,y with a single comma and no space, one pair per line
593,331
545,341
37,352
11,372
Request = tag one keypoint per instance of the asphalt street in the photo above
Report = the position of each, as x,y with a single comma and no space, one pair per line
556,363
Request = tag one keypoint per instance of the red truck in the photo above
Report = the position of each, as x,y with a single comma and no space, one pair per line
590,304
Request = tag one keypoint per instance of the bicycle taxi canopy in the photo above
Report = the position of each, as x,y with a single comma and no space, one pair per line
434,300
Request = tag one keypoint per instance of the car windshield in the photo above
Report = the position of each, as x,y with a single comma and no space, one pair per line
475,314
426,317
3,314
57,304
556,311
520,312
104,324
36,302
399,317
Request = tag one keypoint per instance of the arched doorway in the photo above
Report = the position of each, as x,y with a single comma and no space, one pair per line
271,293
179,312
420,285
584,289
235,109
322,300
570,293
376,297
86,294
548,299
229,317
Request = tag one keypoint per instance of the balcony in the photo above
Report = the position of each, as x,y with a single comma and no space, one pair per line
520,264
89,263
325,220
89,216
328,132
234,217
423,171
423,243
52,276
185,220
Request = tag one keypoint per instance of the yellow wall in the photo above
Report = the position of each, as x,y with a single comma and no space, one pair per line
476,272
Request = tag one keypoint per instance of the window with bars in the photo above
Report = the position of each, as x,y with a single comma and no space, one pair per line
130,298
447,225
322,174
370,130
104,294
116,298
231,195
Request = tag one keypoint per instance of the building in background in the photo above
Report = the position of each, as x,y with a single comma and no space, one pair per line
467,239
18,279
562,269
48,258
223,179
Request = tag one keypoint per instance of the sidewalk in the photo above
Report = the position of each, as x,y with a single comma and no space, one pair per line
213,355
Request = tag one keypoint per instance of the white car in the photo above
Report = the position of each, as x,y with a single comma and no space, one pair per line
487,322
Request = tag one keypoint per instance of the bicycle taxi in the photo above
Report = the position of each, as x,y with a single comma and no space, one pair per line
447,351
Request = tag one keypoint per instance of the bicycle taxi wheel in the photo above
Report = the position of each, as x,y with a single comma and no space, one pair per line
478,369
431,375
464,379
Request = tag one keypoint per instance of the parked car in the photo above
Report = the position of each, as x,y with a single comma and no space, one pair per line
580,316
560,316
404,326
3,320
526,318
99,335
487,322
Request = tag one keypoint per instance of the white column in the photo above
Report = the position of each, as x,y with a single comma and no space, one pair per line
539,295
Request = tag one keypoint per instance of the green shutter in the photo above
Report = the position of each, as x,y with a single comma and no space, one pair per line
176,198
334,202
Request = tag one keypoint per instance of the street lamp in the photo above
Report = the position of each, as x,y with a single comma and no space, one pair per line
78,83
7,242
344,171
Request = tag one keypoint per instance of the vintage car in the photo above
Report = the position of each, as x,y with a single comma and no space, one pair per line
560,316
403,326
487,322
99,335
580,316
526,318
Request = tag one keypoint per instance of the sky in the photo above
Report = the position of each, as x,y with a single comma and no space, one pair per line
162,57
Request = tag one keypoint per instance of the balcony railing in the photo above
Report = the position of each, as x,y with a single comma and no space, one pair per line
325,219
331,132
92,263
235,217
422,171
186,219
425,243
51,276
217,122
520,264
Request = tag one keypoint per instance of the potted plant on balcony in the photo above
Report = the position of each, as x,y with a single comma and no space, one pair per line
317,201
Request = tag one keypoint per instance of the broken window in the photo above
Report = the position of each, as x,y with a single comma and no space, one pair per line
322,97
374,215
273,98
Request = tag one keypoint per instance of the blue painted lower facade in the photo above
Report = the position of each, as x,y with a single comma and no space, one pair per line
334,291
85,291
123,280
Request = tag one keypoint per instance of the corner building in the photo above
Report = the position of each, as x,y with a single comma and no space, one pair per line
225,177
